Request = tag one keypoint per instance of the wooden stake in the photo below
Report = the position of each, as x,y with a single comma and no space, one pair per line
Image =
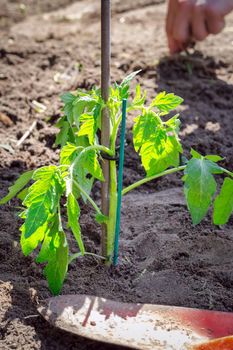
105,123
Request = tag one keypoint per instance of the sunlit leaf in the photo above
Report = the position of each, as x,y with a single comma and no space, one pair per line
129,77
19,184
42,198
158,146
68,97
101,219
200,186
47,247
166,102
22,194
81,175
92,164
139,100
73,212
214,158
63,135
28,244
88,127
68,154
57,266
223,205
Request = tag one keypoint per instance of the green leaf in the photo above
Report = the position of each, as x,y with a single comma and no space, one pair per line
68,154
213,158
195,154
87,100
80,104
67,97
44,173
139,100
42,199
82,141
78,110
173,124
145,129
155,161
44,253
158,146
57,266
97,116
137,94
22,194
223,205
86,170
88,127
81,176
129,77
122,90
68,111
28,244
47,246
101,219
63,135
166,102
36,217
200,186
22,214
73,212
115,100
91,163
19,184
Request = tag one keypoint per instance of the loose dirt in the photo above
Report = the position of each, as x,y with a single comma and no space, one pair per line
55,47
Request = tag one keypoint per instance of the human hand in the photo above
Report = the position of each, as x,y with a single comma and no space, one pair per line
194,20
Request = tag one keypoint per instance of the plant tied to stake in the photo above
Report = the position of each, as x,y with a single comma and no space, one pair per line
159,147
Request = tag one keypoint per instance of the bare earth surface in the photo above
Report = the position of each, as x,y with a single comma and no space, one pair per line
54,47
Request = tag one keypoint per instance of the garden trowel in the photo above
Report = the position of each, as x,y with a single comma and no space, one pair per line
140,326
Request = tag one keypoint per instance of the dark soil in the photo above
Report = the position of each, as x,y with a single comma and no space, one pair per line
164,259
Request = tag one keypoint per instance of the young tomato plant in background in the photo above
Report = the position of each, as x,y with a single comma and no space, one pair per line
157,142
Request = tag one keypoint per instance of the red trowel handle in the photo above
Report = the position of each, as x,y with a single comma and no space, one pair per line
225,343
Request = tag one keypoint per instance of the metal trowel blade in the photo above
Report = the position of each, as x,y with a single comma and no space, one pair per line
140,326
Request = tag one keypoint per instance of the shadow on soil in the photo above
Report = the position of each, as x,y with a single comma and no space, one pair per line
21,311
206,118
17,274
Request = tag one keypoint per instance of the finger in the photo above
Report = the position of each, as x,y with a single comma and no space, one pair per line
171,15
173,45
214,24
221,8
199,29
182,22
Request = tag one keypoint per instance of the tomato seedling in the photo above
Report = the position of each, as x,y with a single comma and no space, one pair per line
156,140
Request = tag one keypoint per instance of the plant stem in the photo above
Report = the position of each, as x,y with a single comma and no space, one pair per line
59,218
95,255
74,256
102,148
115,130
112,211
112,197
94,147
227,172
77,255
150,178
88,197
89,148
